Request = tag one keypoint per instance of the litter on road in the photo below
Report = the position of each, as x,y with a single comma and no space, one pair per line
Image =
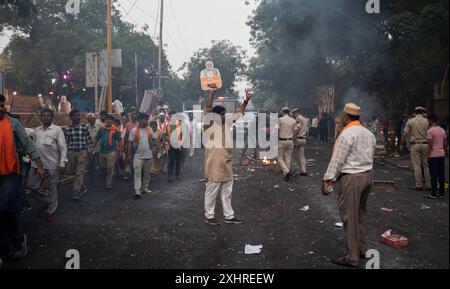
339,224
393,240
251,249
305,208
387,209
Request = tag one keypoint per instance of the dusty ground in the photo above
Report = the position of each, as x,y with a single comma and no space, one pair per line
166,230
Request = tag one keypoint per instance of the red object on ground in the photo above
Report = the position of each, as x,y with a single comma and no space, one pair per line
393,240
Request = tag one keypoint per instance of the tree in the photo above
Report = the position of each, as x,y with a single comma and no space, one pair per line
49,42
393,55
13,13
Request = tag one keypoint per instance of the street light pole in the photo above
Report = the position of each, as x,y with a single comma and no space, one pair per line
109,49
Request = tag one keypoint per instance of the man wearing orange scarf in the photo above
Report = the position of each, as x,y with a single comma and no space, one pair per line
109,138
351,167
12,137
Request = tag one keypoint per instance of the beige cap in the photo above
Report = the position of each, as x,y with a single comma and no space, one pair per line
296,110
285,109
352,109
419,108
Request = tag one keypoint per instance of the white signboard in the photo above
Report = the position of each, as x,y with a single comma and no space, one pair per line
102,65
90,69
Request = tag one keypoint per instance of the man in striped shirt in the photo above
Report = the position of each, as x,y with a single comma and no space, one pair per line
351,167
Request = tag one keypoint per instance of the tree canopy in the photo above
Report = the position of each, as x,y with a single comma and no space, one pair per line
305,43
49,42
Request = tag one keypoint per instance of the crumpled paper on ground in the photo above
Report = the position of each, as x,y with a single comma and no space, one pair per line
250,249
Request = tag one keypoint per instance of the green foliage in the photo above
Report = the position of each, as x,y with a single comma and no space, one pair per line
301,44
48,42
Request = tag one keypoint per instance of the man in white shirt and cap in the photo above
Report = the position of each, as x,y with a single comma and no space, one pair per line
286,127
351,167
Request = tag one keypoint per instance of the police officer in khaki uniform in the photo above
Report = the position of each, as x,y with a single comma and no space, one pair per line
286,127
416,128
300,139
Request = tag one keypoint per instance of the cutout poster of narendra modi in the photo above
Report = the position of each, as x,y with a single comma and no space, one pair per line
210,77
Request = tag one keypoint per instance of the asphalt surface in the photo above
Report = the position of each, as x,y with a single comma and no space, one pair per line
111,229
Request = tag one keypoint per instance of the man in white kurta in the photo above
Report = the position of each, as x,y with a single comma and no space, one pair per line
218,162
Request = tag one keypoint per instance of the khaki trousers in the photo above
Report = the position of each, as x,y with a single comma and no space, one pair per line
212,190
285,149
299,148
419,159
141,173
352,199
107,161
77,162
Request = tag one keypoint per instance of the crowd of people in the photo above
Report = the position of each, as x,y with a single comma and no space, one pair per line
133,146
137,146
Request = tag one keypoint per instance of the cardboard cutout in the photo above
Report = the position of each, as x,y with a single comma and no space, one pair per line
210,77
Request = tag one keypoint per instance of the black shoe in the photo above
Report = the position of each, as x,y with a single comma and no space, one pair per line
108,188
22,253
212,222
417,188
170,181
341,262
304,174
234,221
26,208
431,196
76,196
287,177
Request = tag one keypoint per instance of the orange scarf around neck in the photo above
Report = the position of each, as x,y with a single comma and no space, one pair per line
111,130
138,134
9,162
349,125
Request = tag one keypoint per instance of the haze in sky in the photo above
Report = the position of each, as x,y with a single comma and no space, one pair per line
188,24
193,24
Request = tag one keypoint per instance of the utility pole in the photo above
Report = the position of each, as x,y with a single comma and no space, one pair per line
136,76
160,45
109,49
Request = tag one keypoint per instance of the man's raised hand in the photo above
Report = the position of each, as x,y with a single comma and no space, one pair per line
248,94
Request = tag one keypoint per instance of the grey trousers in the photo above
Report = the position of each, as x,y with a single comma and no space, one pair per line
48,197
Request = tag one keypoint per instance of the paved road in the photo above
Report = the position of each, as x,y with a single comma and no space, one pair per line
166,230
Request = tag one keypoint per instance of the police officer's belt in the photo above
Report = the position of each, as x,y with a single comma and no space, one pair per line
285,139
415,143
